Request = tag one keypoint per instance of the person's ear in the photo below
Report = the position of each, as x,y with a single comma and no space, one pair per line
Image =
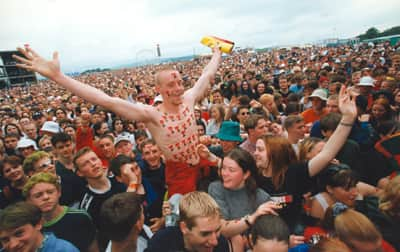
79,173
39,225
157,88
246,175
139,224
329,189
58,193
183,227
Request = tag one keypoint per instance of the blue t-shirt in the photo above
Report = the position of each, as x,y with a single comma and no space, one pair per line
52,244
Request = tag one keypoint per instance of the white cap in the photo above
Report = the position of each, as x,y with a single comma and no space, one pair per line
296,69
26,142
326,64
319,93
51,127
120,138
366,81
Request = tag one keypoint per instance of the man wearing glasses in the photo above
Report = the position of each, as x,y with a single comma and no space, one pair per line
72,187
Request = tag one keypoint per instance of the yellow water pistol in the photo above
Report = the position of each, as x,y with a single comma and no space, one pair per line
225,46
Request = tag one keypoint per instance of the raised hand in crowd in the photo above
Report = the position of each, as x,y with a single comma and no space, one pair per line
34,62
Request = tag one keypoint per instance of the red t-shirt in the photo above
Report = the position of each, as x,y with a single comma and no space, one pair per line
310,116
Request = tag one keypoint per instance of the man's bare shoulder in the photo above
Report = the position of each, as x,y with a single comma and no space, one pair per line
154,112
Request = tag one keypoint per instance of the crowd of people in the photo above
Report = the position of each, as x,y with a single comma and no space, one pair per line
296,149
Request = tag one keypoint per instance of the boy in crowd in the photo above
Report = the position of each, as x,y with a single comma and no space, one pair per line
153,170
121,220
73,186
20,230
127,172
100,187
74,225
199,227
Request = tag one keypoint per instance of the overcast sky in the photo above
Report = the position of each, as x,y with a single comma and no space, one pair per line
103,32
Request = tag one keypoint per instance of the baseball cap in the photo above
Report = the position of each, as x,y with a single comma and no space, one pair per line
320,93
37,115
366,81
120,138
26,142
51,127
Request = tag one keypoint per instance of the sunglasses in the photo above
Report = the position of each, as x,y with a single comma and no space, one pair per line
46,164
334,169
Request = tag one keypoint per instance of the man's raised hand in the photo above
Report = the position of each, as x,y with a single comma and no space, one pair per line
34,62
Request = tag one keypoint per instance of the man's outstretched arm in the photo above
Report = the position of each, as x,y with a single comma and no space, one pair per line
51,70
201,86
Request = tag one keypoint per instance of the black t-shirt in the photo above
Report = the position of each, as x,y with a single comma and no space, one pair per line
349,153
285,95
72,186
92,201
73,225
156,179
297,182
170,239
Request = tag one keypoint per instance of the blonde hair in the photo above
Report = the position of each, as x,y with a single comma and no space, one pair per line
352,225
32,159
41,177
390,199
306,146
221,111
264,99
330,245
197,204
44,138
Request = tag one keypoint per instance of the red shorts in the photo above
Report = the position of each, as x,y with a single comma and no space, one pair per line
181,177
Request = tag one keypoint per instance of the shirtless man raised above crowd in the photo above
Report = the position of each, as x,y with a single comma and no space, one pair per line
172,123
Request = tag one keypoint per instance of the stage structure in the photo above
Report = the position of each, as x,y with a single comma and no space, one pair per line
10,75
